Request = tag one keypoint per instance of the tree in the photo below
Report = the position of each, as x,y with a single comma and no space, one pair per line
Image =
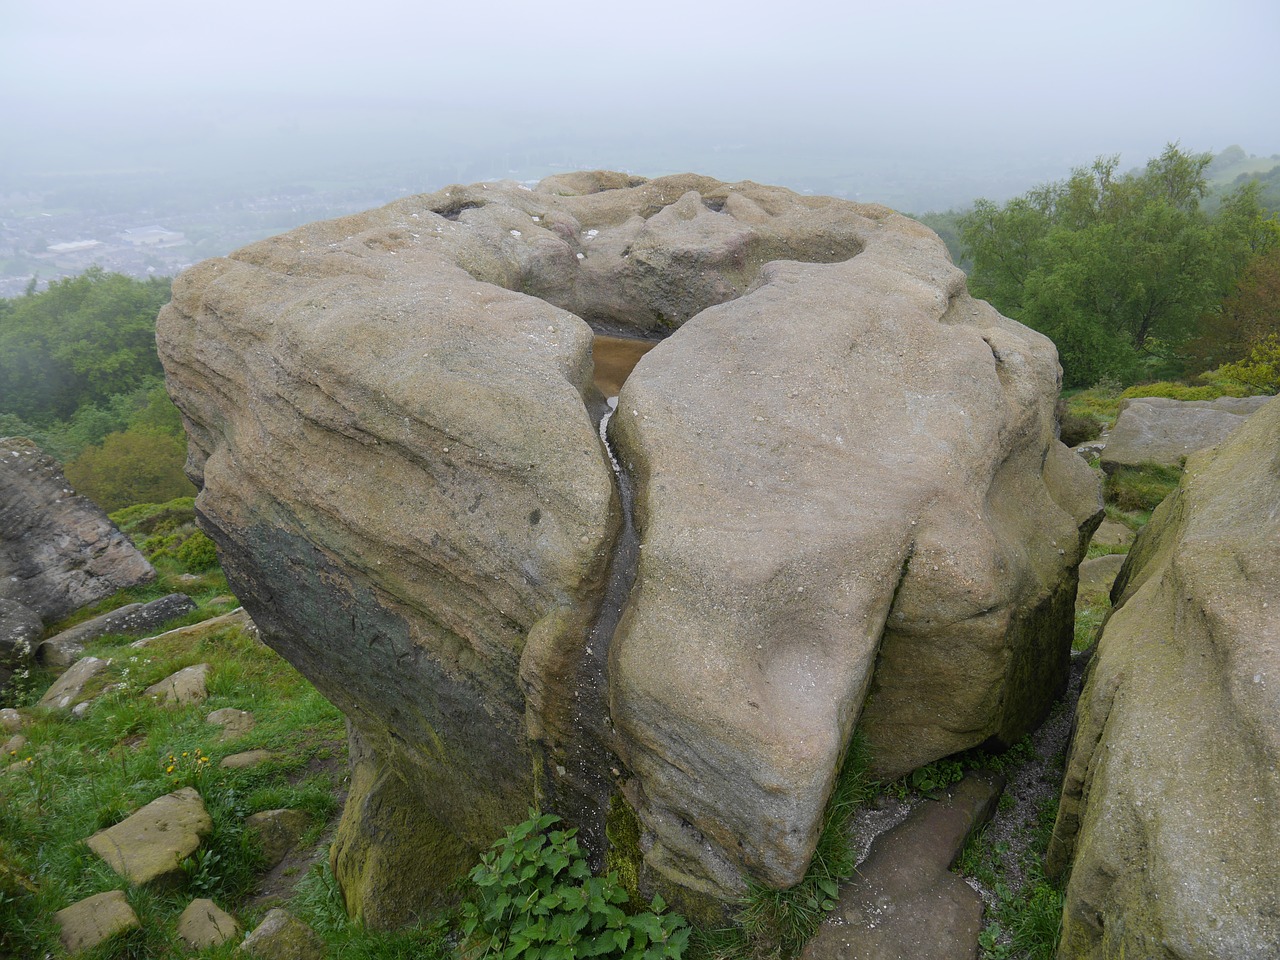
140,465
1117,269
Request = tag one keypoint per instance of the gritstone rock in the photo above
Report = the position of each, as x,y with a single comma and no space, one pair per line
282,936
69,688
1163,431
1168,819
838,458
20,630
204,924
151,844
66,647
58,552
95,920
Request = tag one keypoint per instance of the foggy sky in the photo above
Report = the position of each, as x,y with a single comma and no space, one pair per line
712,87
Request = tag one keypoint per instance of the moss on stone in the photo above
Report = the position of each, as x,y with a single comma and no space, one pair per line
623,857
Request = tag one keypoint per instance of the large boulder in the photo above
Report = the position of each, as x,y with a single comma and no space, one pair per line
58,552
839,459
1168,819
1166,432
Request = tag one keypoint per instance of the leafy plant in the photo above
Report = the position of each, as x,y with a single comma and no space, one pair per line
536,899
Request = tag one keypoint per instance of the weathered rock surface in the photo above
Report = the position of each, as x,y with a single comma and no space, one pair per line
58,552
151,844
65,648
278,831
249,758
235,723
95,920
1112,533
20,631
187,686
904,903
11,721
68,689
236,618
204,924
1164,431
282,936
1170,812
1098,574
394,427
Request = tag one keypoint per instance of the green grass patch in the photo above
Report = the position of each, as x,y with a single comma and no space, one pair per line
1139,490
1183,391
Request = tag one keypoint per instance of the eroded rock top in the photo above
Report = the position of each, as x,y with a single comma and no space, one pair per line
839,460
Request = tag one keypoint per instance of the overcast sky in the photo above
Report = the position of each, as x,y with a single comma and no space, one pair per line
694,85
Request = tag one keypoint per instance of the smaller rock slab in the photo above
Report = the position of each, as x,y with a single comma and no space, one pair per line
66,647
282,936
194,631
69,688
95,920
10,720
12,747
1112,534
278,831
188,685
235,723
1097,576
250,758
904,903
151,844
204,924
1163,431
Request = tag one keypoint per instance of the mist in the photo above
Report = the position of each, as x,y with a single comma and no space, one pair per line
922,105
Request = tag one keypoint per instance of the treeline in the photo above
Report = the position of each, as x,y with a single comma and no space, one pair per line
80,376
1133,276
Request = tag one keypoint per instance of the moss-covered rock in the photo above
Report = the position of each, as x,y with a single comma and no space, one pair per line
1170,813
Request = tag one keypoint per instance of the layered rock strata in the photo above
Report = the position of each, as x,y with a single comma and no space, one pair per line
1170,813
58,552
844,476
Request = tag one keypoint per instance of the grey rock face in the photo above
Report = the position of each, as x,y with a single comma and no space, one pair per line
58,552
1163,431
65,648
68,689
838,458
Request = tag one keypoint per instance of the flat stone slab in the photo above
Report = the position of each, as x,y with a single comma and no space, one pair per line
250,758
204,924
278,831
1112,534
1097,576
151,844
1164,431
236,618
69,688
235,723
186,686
10,720
94,920
904,904
282,936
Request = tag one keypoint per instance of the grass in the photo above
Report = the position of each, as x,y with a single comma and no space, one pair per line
1139,490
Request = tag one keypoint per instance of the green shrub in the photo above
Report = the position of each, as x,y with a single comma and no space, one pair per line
198,553
1182,391
1259,372
536,899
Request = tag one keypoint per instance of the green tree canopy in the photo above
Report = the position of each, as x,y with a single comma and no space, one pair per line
1114,268
82,341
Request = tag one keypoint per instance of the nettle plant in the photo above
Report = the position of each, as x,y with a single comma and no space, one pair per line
537,900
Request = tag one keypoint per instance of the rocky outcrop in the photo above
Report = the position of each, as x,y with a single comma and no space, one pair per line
65,648
845,483
58,552
1163,431
1170,811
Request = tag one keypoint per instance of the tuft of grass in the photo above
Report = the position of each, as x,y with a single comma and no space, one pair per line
777,923
1140,489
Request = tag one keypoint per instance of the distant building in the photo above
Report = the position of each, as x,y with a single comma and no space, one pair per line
153,236
73,246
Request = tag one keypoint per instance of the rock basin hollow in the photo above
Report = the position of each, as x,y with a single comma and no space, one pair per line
850,508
